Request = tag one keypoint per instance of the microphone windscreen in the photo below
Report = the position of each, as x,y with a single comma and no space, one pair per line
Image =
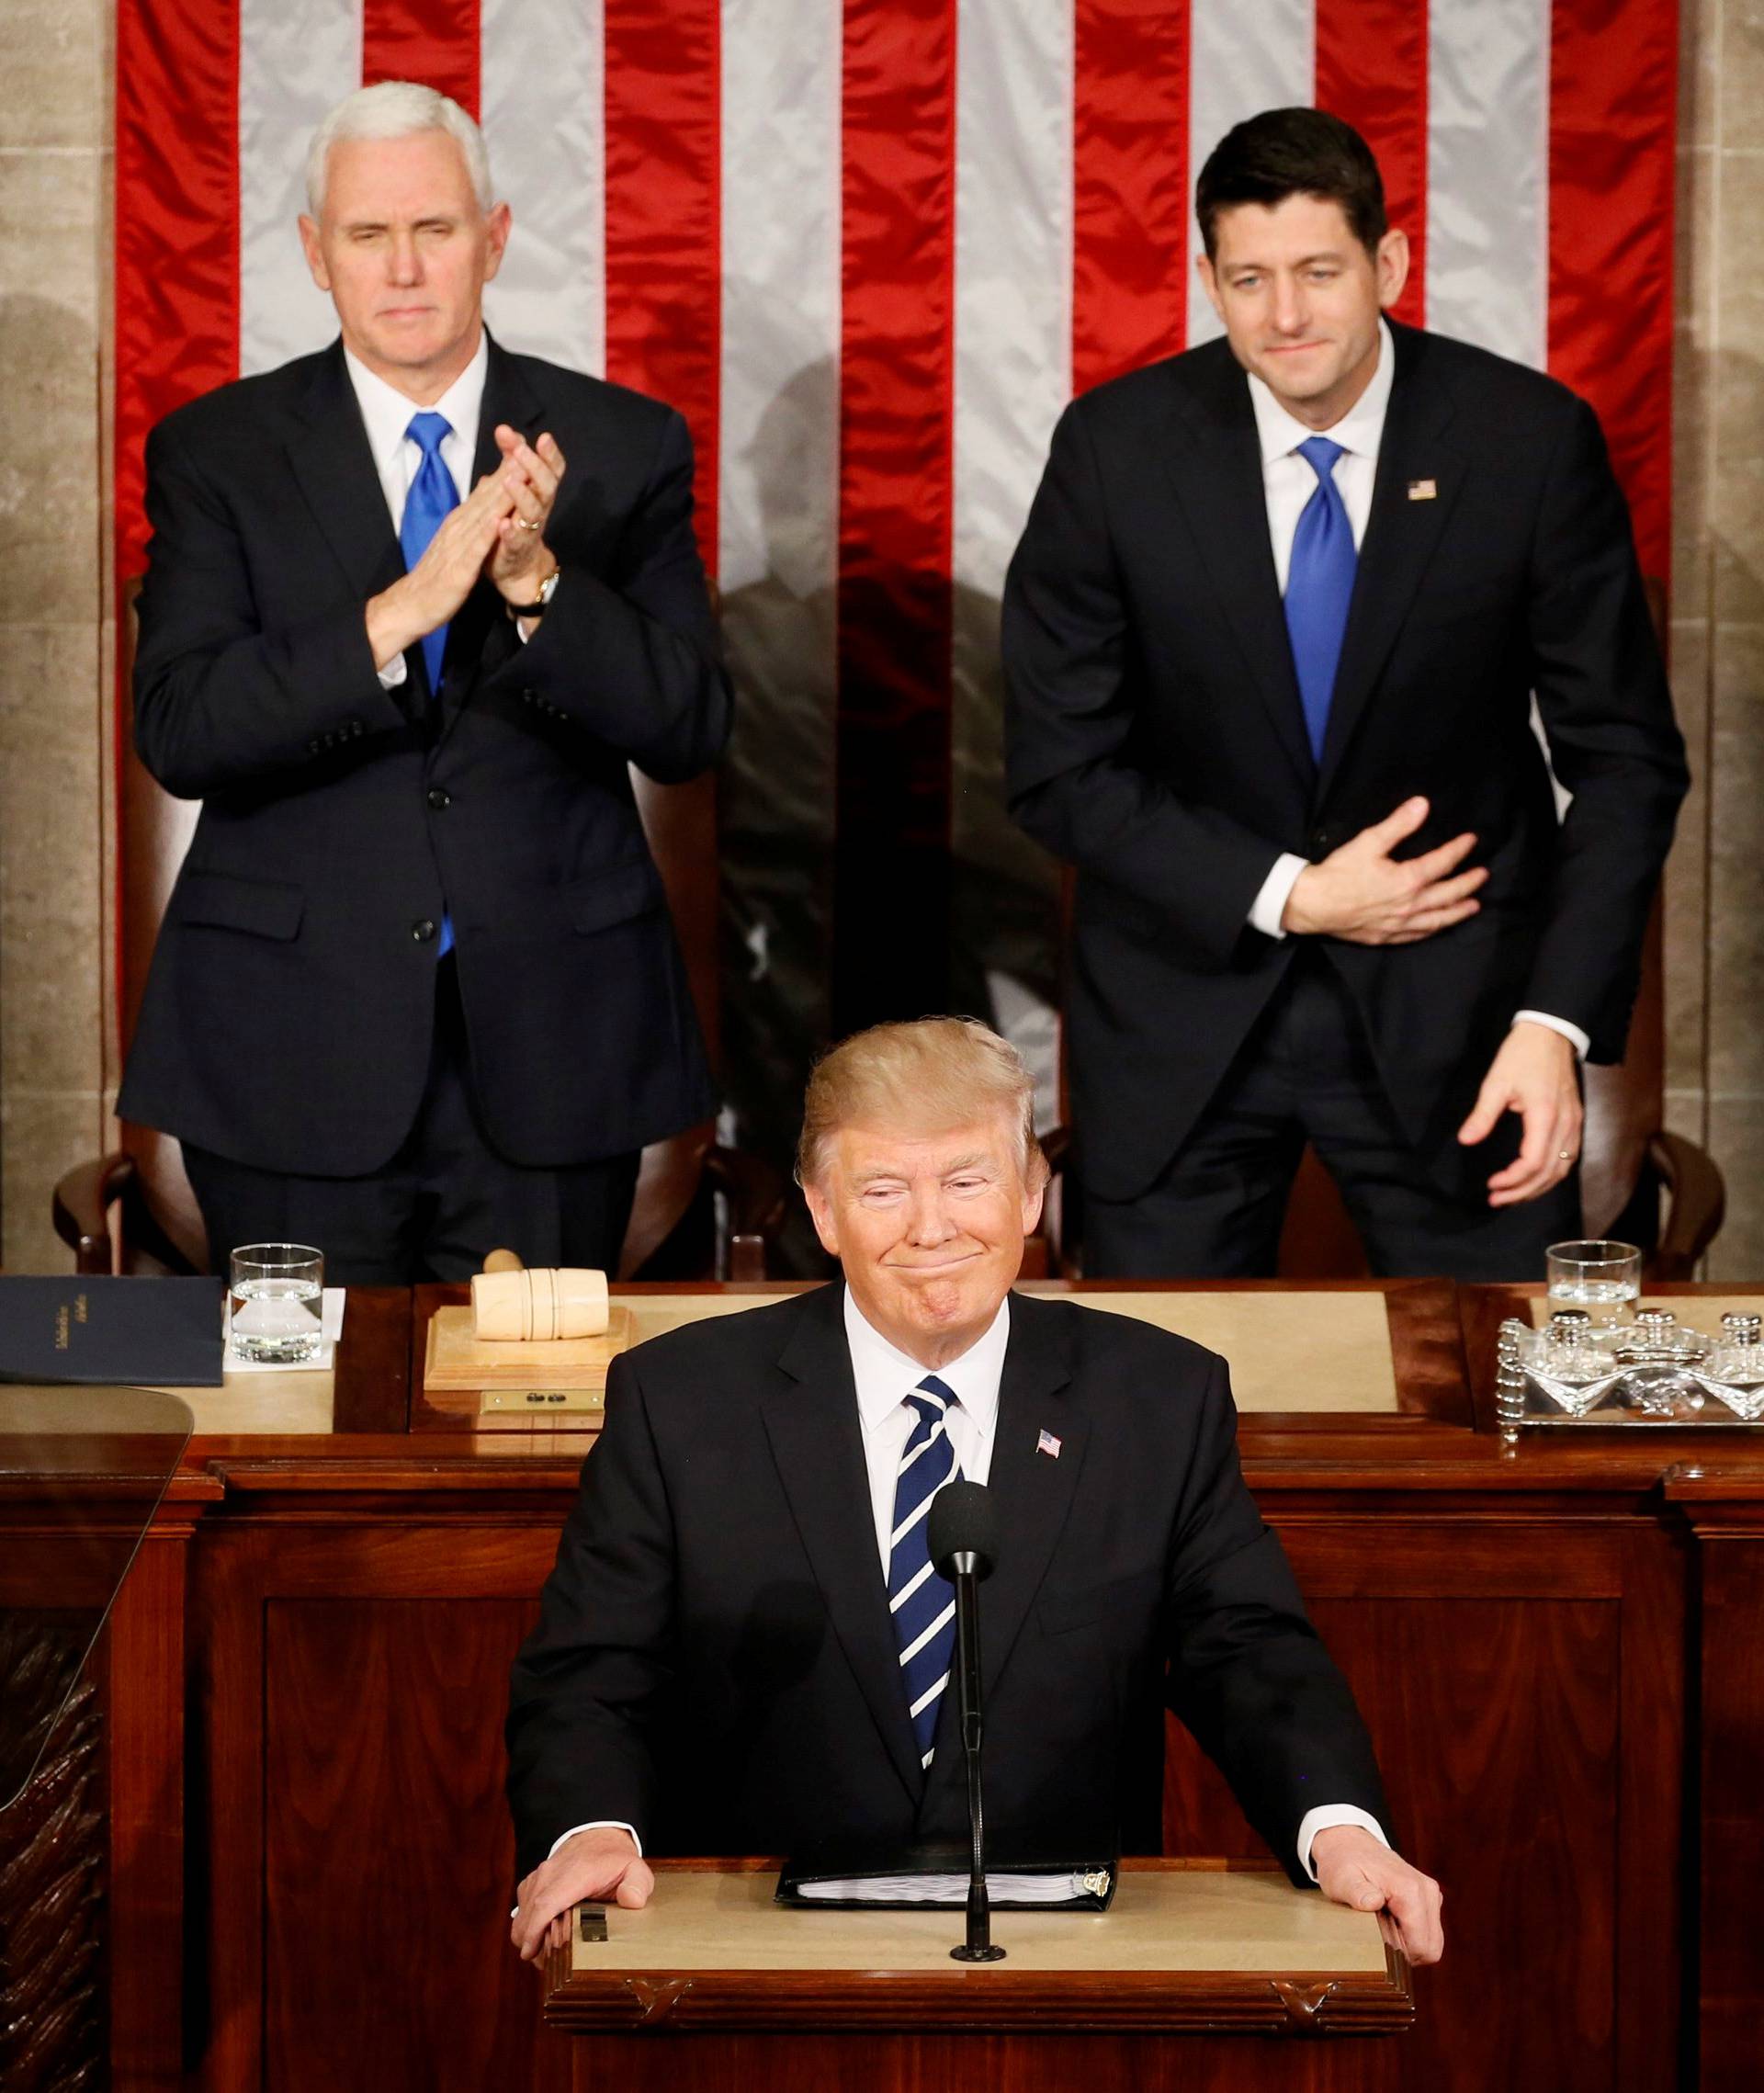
963,1521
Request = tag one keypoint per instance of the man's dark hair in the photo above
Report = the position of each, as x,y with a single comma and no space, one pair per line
1290,152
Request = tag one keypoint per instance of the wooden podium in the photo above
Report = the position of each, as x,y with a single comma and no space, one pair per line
1179,1984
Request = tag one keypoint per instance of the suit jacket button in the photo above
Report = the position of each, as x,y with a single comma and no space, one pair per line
423,930
439,797
532,696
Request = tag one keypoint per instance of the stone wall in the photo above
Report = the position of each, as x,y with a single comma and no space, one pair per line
1714,946
55,184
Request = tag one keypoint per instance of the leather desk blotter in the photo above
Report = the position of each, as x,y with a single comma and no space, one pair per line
570,1367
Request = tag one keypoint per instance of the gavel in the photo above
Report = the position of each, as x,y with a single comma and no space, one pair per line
511,1305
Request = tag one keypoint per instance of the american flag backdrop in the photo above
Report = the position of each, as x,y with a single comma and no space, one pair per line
870,250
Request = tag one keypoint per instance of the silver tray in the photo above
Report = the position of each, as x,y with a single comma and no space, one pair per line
1650,1379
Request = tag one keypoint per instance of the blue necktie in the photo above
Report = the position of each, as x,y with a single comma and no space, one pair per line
922,1603
432,496
1320,587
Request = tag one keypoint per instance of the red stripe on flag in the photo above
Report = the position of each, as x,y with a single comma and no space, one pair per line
1372,72
1129,186
177,230
1613,86
435,41
897,182
176,283
664,218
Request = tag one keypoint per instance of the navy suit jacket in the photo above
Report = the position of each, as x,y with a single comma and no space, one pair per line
1155,737
289,1016
715,1662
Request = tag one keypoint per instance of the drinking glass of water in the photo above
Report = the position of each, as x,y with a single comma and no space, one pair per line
275,1303
1594,1276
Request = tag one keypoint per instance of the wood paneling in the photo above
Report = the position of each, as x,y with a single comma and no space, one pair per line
1539,1635
354,1677
993,2064
383,1769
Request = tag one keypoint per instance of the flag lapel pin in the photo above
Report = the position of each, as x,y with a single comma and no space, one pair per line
1049,1446
1424,490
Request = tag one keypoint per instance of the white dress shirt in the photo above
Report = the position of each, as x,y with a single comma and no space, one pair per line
386,414
1288,482
885,1377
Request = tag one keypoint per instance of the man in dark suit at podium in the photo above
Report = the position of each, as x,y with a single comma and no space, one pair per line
744,1646
1271,640
414,606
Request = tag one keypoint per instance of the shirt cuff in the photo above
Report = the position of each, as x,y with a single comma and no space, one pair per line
393,673
1270,905
1332,1814
1571,1032
600,1824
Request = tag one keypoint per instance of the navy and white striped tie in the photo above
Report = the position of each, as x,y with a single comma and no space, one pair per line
922,1603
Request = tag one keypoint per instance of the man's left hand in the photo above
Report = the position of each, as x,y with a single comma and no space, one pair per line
1533,1074
520,560
1355,1868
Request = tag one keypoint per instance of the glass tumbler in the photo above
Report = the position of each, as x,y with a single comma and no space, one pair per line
275,1304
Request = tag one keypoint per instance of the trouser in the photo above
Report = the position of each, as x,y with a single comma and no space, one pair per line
445,1200
1306,1072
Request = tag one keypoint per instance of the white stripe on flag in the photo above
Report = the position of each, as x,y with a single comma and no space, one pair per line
294,61
778,512
1487,177
1014,363
542,89
1240,60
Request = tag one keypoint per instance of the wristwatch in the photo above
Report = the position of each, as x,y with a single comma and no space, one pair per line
547,589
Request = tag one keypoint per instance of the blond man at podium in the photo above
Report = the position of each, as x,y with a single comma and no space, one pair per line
743,1646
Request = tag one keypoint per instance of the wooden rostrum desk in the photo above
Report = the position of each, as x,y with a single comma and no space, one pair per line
1557,1646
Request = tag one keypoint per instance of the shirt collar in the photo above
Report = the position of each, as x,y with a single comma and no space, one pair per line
1360,429
386,411
886,1376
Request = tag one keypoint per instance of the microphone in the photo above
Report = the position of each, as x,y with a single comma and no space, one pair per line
962,1534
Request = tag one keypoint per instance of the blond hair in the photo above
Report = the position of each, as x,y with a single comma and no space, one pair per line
935,1072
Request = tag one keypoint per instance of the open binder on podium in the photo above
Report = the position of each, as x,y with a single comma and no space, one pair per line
935,1877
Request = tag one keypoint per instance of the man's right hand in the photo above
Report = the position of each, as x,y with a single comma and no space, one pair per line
594,1864
442,580
1360,892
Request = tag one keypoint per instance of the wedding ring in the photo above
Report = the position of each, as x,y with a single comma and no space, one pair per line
524,524
1564,1154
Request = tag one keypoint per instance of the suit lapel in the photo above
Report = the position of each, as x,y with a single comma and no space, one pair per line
818,1443
1214,462
1401,537
481,622
334,468
1034,1489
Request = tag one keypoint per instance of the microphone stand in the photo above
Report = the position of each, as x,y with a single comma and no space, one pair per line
978,1947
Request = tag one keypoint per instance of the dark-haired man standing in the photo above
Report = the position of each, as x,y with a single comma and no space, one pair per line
1270,638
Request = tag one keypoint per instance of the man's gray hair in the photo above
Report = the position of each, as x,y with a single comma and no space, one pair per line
396,109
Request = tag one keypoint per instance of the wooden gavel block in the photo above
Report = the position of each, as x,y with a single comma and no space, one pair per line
532,1341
